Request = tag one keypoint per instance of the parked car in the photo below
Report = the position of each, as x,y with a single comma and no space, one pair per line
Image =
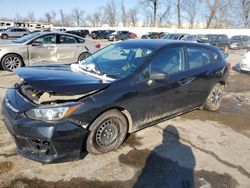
239,42
192,38
245,62
151,35
174,36
59,112
218,40
101,34
121,35
81,33
45,47
14,33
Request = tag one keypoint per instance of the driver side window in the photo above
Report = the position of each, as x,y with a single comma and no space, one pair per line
170,61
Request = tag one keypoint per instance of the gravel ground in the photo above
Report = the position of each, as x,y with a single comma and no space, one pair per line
200,148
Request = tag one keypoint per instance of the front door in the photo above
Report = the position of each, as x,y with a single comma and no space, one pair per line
43,50
156,99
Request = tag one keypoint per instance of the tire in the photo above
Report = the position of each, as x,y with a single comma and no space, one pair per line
11,62
83,56
214,98
107,132
4,36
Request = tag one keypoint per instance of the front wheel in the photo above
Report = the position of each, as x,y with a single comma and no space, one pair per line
107,132
214,99
11,62
4,36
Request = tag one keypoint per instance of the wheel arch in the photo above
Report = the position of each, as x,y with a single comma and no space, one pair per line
123,111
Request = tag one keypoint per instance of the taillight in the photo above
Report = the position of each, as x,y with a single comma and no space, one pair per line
98,45
229,66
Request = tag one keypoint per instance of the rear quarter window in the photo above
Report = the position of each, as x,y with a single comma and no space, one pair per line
80,40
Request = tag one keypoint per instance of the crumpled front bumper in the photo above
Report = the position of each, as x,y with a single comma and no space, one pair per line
42,141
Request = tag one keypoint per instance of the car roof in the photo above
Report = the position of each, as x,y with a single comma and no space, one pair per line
59,32
159,43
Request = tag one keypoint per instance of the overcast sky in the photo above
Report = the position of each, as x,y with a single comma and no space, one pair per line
9,8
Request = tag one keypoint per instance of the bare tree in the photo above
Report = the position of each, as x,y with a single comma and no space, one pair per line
123,14
50,17
150,7
111,13
77,16
178,7
64,18
95,18
212,6
18,17
31,16
217,12
190,10
246,11
165,16
133,16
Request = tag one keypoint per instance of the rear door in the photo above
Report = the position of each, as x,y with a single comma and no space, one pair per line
202,74
43,49
68,49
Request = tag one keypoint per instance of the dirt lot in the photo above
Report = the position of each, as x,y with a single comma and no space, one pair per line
201,148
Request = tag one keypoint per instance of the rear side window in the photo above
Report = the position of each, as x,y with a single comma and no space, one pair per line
169,61
197,57
67,39
80,40
212,56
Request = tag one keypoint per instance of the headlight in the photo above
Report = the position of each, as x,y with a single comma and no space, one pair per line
51,113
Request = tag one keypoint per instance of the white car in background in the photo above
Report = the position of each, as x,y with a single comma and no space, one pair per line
14,33
245,62
45,48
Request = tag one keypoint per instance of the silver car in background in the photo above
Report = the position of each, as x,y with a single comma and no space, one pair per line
45,48
14,33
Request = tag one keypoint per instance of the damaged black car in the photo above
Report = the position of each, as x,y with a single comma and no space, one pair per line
59,112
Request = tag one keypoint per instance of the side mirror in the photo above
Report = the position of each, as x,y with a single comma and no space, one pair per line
157,75
35,44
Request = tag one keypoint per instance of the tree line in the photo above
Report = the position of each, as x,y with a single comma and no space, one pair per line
153,13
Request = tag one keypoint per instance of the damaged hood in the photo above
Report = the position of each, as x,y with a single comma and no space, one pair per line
60,79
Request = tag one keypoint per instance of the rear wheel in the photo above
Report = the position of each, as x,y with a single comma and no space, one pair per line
214,99
83,56
11,62
107,132
4,36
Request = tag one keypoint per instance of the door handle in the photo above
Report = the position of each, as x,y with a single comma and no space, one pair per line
186,81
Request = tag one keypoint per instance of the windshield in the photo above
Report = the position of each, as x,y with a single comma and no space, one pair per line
116,61
27,37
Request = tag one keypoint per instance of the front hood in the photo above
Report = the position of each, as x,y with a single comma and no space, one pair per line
60,79
9,43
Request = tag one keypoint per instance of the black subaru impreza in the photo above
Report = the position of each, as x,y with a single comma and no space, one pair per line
58,112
